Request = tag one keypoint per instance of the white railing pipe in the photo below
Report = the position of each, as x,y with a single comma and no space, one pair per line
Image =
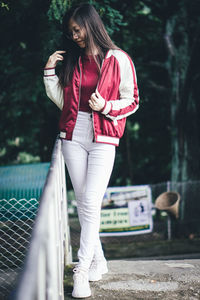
50,248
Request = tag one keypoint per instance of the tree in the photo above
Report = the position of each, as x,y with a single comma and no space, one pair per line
182,36
145,148
181,33
29,122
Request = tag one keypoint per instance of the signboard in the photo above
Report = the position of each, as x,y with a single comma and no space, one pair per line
126,211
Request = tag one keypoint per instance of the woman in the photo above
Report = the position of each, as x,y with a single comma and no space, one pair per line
96,91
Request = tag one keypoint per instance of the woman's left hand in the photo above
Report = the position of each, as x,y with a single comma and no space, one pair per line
96,102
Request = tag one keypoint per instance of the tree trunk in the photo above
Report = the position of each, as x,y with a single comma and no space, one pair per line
183,59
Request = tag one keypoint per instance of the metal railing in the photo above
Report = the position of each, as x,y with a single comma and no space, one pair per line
50,249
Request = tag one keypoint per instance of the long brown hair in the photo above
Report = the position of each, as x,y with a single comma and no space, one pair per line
86,16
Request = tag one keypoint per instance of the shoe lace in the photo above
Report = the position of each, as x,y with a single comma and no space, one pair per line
81,274
78,268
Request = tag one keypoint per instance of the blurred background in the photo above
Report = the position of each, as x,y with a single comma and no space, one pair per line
162,139
161,143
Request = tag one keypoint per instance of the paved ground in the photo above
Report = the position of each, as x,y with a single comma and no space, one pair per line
166,279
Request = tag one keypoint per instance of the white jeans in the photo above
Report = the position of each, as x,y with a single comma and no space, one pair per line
89,165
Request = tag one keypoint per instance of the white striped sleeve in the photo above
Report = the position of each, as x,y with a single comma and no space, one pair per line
128,89
53,89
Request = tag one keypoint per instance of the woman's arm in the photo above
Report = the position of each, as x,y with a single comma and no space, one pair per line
128,90
53,89
128,101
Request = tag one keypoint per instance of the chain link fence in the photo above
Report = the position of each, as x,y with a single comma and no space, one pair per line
20,190
16,223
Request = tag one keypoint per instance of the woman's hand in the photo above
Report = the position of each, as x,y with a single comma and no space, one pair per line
54,58
96,102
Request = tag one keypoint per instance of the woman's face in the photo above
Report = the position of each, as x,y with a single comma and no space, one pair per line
77,34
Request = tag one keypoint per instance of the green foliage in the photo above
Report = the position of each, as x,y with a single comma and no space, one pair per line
57,9
25,36
31,30
111,17
4,5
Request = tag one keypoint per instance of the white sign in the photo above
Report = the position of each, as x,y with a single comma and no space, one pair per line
126,211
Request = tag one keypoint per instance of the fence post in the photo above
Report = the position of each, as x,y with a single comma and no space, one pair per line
169,221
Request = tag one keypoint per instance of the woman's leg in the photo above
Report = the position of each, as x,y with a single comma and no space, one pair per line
76,159
89,165
100,165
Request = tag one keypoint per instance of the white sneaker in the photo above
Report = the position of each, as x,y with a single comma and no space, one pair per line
81,284
97,269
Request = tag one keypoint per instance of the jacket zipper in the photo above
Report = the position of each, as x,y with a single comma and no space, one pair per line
97,88
79,96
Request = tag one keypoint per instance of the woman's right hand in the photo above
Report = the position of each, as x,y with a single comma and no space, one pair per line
54,58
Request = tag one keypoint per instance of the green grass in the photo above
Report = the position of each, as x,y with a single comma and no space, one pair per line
68,281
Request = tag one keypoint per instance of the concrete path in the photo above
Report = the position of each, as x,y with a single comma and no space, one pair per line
149,279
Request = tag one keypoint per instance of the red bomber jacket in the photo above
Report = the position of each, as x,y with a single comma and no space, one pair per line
117,85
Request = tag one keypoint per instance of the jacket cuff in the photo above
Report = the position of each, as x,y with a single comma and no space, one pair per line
107,108
49,72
